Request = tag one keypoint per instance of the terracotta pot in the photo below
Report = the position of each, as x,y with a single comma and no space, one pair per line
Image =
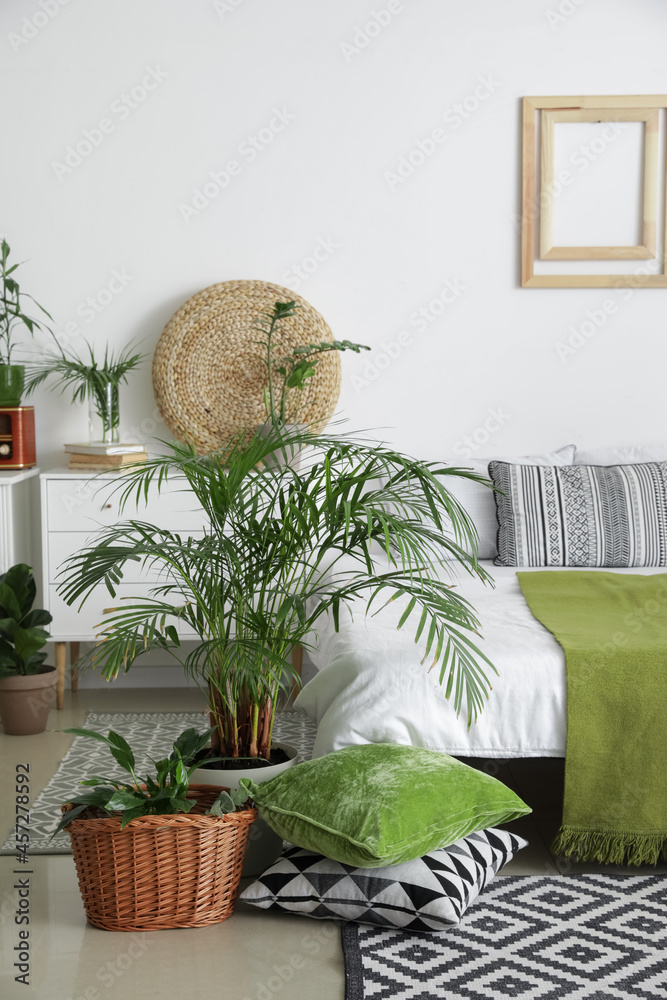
264,845
25,701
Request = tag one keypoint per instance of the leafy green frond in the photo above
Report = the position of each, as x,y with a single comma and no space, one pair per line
162,793
12,311
83,378
283,545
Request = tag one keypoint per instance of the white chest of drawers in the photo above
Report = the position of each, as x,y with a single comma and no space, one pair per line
16,522
74,507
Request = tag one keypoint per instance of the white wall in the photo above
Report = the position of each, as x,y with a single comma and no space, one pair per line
349,108
222,68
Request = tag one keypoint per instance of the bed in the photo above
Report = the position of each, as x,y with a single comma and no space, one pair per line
371,687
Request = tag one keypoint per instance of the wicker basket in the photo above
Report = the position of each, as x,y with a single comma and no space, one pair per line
209,370
161,871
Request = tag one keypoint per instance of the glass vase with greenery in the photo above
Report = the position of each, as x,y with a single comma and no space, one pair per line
13,316
92,379
283,547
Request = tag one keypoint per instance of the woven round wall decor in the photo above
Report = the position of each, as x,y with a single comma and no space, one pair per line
209,369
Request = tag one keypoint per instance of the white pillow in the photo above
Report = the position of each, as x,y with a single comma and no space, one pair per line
625,454
479,501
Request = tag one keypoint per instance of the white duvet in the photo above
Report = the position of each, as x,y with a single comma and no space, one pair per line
371,687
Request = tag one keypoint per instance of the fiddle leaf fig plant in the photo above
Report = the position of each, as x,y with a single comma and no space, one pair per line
166,788
293,370
22,637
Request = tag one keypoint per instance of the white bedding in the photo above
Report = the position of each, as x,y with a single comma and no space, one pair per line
371,687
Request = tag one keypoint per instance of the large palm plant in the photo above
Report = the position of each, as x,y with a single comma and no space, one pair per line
286,543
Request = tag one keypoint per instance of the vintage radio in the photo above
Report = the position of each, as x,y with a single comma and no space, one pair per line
17,437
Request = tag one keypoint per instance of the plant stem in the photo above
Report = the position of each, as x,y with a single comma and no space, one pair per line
269,362
105,397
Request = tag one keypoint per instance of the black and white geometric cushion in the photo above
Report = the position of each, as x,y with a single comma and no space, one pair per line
581,515
427,894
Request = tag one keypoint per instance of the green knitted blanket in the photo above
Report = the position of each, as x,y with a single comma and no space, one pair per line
613,629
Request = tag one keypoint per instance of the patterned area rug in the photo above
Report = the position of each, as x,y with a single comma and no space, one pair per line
584,937
149,735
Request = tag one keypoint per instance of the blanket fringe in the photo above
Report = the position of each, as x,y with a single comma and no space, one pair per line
610,848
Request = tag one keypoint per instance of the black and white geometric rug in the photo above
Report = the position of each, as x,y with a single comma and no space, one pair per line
149,735
579,937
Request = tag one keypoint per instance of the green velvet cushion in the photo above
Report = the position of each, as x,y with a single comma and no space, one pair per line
381,803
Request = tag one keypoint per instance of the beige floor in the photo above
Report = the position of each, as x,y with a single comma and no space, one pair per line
252,956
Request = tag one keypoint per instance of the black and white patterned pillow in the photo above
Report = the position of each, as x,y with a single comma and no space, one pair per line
581,515
427,894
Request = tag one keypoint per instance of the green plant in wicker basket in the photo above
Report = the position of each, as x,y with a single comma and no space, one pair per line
90,379
283,547
166,789
291,371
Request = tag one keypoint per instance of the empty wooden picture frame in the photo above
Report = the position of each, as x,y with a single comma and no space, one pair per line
645,250
538,208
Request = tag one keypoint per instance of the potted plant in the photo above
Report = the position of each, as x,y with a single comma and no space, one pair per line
288,373
27,685
93,379
282,548
12,314
157,851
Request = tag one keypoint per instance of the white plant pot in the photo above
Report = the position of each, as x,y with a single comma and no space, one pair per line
292,453
264,845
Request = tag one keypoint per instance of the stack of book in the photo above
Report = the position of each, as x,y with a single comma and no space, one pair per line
100,457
